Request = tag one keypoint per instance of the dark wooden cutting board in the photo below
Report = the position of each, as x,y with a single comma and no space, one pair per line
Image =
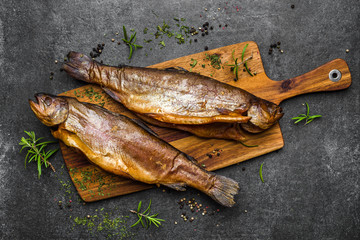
94,184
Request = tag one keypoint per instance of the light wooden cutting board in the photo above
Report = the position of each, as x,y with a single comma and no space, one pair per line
94,184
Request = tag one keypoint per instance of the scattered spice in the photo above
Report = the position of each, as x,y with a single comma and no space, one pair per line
292,6
216,152
103,225
347,50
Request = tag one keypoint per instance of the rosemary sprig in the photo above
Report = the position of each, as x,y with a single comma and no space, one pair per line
260,172
36,151
308,119
245,63
149,219
235,67
130,42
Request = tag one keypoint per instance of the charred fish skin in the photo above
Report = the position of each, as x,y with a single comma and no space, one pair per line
118,145
177,97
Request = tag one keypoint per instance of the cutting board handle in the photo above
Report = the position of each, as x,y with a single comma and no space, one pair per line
317,80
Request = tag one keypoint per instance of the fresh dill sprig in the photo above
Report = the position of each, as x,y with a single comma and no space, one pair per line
130,42
36,151
308,119
149,219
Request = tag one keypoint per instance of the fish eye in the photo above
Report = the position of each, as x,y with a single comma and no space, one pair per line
48,101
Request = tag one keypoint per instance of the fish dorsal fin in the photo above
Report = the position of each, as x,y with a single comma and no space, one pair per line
144,126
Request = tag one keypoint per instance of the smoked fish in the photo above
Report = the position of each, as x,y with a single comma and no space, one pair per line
176,97
121,146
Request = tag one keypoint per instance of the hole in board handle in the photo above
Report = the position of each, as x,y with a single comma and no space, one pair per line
334,75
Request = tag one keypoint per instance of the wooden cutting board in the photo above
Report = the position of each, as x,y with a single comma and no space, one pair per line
94,184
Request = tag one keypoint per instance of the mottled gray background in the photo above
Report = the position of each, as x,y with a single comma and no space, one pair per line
311,188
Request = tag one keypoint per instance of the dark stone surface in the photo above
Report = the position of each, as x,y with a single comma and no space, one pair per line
311,188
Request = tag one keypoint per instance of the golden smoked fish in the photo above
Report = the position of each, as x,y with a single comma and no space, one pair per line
120,146
176,97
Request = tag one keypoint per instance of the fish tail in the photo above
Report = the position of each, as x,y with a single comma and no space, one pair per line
79,66
224,190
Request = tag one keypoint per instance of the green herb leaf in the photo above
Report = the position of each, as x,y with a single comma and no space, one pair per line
247,69
125,34
308,119
145,30
131,42
162,43
193,63
243,52
248,145
149,219
36,151
260,172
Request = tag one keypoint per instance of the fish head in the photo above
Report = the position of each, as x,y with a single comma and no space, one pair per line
49,109
263,115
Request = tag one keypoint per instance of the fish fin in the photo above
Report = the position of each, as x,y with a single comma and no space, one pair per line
190,158
176,186
144,126
78,66
112,94
226,111
181,119
223,111
224,190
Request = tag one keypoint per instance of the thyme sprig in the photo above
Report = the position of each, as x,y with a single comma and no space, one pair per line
130,42
149,219
37,151
308,119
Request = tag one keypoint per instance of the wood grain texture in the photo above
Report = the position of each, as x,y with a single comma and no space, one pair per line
94,184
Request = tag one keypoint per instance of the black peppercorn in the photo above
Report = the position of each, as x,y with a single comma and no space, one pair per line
195,40
203,34
211,28
206,48
292,6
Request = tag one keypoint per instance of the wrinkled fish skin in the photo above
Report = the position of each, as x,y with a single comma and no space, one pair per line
176,97
118,145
